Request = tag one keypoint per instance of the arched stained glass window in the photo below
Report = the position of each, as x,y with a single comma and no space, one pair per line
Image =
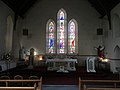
61,32
72,37
50,37
62,40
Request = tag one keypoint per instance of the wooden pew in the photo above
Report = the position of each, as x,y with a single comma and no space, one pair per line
17,88
35,87
84,83
102,89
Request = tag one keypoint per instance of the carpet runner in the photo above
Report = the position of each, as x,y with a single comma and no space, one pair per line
60,87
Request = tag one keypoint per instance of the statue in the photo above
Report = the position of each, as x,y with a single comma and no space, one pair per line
100,51
22,54
31,58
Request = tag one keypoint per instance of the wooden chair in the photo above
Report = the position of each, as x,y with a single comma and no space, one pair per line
33,78
18,77
4,77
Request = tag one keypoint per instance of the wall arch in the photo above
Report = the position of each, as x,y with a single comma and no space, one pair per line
117,52
116,25
9,34
116,61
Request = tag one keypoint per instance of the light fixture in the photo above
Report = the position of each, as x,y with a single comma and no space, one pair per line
40,57
101,59
35,53
105,60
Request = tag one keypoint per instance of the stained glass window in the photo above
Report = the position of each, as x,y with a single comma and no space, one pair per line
62,40
72,37
50,48
61,32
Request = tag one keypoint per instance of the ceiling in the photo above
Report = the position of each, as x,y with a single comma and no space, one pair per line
20,7
104,6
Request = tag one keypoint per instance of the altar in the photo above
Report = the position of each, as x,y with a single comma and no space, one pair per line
61,64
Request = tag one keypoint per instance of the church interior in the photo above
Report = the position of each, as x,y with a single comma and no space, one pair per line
59,42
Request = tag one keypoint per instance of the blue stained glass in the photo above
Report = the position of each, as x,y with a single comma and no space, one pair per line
51,29
61,45
61,18
51,42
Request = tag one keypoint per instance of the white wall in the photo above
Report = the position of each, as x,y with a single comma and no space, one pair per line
36,18
4,13
81,10
111,40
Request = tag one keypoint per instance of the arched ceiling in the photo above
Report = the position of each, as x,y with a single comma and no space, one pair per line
20,7
104,6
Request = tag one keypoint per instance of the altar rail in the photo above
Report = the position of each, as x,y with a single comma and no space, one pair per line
99,84
37,85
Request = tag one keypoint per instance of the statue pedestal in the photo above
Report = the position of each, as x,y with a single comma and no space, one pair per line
30,67
31,58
